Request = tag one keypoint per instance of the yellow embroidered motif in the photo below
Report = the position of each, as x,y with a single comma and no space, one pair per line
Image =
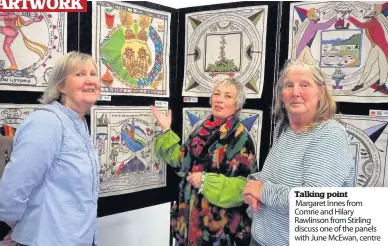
239,130
223,131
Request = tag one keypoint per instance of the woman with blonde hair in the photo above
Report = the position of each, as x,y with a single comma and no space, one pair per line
49,188
310,149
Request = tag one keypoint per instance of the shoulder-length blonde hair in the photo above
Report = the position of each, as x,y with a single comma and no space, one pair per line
326,105
59,74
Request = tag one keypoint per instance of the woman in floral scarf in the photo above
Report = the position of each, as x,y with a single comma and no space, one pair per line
213,163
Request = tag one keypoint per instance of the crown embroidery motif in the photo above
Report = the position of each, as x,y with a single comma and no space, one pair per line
135,54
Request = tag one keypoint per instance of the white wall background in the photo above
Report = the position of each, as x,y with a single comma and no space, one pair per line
143,227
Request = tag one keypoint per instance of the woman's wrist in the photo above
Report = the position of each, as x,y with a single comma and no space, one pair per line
200,190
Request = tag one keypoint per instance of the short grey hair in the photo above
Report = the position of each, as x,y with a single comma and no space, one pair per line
59,74
241,97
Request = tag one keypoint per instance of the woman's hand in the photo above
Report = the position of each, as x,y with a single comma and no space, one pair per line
254,188
195,179
164,121
252,202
